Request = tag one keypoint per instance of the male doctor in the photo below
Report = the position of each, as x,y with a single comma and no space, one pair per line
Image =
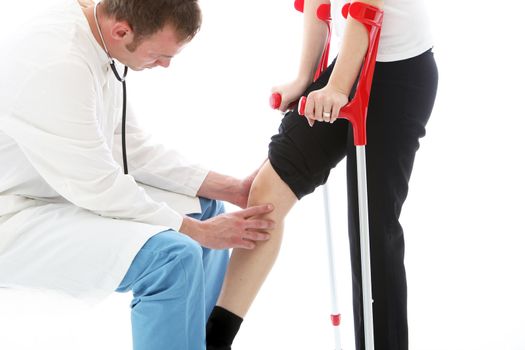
70,218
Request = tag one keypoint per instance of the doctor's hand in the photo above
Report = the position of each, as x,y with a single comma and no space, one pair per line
241,200
324,105
240,195
230,230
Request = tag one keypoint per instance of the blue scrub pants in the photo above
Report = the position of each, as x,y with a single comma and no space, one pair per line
175,284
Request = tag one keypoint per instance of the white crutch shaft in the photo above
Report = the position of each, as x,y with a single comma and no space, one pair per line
336,317
366,274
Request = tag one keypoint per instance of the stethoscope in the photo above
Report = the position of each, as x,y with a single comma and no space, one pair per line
124,94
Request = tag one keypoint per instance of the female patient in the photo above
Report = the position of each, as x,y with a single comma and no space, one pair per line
304,151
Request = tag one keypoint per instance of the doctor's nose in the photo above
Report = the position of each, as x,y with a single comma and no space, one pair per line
164,62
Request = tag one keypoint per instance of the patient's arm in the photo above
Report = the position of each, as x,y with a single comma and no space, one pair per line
248,268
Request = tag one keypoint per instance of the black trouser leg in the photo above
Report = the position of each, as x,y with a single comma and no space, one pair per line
402,98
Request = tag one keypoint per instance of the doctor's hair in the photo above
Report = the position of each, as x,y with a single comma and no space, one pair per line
147,17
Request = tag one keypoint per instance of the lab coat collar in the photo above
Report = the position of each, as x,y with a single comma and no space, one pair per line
102,57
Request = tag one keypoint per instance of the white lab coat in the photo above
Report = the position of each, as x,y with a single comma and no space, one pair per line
70,220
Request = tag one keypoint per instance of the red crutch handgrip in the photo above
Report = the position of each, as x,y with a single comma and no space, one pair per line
356,110
275,100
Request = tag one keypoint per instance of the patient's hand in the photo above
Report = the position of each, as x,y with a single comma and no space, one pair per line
290,92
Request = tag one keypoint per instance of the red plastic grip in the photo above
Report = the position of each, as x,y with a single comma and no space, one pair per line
275,100
302,105
299,5
336,319
324,12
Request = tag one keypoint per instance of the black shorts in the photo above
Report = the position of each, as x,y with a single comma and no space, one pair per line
303,156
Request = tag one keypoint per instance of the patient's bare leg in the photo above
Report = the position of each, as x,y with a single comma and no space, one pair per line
248,269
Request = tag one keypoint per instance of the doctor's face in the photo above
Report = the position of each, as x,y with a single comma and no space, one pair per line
153,51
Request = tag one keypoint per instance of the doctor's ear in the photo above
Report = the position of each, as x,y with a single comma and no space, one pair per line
121,31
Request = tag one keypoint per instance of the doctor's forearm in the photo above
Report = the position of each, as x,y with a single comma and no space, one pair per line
192,228
221,187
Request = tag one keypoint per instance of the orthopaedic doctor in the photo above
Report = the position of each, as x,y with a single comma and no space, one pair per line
70,218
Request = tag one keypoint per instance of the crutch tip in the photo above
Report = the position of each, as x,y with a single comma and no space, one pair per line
336,319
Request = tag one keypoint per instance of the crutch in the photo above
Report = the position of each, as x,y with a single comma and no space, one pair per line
323,13
356,112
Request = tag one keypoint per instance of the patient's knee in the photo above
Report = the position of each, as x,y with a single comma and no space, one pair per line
265,191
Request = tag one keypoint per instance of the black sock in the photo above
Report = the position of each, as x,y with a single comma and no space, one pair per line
221,329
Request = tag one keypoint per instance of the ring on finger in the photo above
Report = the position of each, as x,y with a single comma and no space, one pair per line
326,114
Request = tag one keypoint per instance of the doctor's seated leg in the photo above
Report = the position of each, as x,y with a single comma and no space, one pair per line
175,283
215,262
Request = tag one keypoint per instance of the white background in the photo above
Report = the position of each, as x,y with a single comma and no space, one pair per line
463,219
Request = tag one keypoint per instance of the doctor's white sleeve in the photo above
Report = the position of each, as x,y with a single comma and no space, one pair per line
153,164
55,123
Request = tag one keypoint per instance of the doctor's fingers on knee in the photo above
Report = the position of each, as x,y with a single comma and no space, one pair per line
259,231
249,239
256,236
259,223
254,211
244,244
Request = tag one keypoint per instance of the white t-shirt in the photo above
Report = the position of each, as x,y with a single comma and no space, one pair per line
405,32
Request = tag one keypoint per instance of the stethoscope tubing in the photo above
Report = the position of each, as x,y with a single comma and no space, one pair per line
124,105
